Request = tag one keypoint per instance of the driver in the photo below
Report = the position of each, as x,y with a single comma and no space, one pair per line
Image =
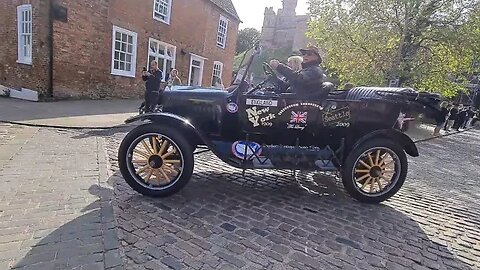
308,81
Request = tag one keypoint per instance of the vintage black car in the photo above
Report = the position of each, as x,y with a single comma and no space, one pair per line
253,127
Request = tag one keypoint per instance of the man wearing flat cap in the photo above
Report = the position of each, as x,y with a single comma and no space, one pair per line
308,81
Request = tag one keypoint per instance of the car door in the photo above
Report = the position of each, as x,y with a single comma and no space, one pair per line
258,112
299,117
283,116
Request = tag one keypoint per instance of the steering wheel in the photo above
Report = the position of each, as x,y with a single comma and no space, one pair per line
270,74
268,69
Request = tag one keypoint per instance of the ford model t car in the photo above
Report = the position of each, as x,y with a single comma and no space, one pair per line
254,127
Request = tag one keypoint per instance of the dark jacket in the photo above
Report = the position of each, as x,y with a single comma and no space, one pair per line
462,115
442,115
152,82
306,82
470,113
453,114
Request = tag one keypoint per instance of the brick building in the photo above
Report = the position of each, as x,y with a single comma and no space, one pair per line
97,48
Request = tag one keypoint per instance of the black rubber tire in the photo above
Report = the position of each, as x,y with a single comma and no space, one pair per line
177,138
347,174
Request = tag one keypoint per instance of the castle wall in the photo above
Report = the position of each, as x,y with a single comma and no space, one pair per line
285,29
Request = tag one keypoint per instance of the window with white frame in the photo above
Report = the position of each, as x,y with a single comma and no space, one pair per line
24,18
124,52
163,53
222,32
162,10
217,72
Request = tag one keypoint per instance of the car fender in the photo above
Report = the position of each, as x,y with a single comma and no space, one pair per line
397,136
185,126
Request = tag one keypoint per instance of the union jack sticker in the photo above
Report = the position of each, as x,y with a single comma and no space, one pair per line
298,117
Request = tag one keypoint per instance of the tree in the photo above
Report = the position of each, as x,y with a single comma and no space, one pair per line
246,39
266,55
420,42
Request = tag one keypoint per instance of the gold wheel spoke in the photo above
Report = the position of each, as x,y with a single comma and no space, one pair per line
365,164
385,178
155,145
143,169
149,175
140,161
377,158
172,161
370,160
362,171
363,177
164,147
168,154
379,184
372,184
141,153
382,159
165,175
388,170
171,170
367,182
145,145
158,176
386,164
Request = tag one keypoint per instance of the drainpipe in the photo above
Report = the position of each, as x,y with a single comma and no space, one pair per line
50,50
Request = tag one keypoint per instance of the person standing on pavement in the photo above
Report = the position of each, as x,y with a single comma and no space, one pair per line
173,79
476,117
217,83
452,117
461,116
470,114
449,107
153,80
441,118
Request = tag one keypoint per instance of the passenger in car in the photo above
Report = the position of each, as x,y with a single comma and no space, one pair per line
307,82
293,62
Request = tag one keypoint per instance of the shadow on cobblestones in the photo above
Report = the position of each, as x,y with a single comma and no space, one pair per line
87,242
222,220
101,133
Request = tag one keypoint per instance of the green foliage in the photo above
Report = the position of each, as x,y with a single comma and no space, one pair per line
266,55
427,44
246,39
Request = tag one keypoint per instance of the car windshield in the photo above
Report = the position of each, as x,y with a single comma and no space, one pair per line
243,64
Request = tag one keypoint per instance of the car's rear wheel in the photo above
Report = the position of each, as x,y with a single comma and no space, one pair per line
155,160
375,171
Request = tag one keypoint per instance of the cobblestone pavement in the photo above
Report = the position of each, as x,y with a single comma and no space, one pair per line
272,220
55,205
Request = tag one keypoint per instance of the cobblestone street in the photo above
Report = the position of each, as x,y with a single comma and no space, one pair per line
272,220
56,212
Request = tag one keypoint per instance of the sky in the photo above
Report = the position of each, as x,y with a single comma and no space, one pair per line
251,11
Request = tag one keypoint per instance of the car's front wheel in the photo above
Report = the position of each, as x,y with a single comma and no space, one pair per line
375,171
155,160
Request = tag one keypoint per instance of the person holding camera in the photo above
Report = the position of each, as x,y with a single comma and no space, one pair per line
153,80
